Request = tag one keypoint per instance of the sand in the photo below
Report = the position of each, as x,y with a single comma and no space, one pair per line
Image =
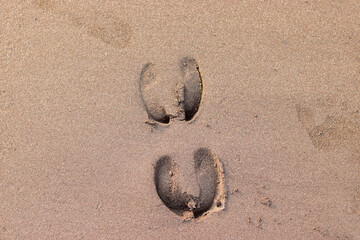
275,120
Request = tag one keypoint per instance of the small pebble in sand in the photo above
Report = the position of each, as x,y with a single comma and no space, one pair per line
265,201
259,222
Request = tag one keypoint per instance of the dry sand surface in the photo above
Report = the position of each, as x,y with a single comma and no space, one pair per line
179,119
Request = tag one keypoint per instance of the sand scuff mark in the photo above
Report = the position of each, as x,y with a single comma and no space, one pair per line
104,26
334,131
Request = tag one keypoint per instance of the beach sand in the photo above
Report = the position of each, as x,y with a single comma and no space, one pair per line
252,108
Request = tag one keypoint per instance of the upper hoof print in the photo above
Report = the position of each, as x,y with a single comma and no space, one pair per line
188,92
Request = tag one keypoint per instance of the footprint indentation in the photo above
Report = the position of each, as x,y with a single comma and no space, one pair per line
210,179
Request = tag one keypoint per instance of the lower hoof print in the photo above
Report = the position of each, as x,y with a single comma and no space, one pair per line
209,175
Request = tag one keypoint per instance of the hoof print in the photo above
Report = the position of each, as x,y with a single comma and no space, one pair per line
209,176
188,92
148,84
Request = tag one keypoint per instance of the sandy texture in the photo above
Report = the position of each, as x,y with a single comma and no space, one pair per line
280,108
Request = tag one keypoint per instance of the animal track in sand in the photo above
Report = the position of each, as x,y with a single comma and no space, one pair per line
209,175
208,171
188,92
